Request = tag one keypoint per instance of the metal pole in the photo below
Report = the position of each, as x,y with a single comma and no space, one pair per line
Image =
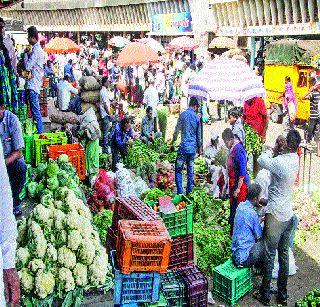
253,51
309,179
304,165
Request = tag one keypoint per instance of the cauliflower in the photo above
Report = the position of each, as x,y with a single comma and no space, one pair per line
61,238
98,271
74,239
36,264
44,283
47,200
63,159
72,220
66,279
84,212
53,183
22,256
85,227
40,242
26,280
52,252
80,273
52,168
86,252
59,218
22,231
42,215
66,257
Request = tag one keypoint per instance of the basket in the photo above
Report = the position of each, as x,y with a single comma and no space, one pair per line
173,288
182,252
134,287
231,283
143,246
76,155
196,286
57,138
179,223
132,208
28,149
162,302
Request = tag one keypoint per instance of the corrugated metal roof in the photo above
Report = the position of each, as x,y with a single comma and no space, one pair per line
313,46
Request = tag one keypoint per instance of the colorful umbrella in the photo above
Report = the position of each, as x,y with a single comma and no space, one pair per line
151,42
60,45
137,54
227,79
183,43
118,41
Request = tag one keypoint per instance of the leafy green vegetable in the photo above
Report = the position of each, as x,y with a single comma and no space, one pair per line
163,114
254,142
52,169
153,195
102,220
312,299
32,189
53,183
200,166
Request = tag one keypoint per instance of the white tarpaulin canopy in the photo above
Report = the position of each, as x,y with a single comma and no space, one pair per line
227,79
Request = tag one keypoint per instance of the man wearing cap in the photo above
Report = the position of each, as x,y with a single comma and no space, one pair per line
215,170
189,126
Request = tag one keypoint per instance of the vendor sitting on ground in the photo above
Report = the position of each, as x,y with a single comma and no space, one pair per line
65,102
147,128
121,138
247,246
12,143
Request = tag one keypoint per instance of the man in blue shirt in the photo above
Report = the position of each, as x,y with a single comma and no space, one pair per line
247,247
68,70
189,126
34,62
12,143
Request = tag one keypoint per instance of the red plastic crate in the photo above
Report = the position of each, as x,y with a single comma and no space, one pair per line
43,110
196,286
143,246
76,155
132,208
182,252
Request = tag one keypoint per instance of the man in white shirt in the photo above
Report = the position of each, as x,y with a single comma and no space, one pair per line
279,221
9,278
151,99
160,83
106,99
65,102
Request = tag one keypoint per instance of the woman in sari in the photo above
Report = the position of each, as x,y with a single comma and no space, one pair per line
237,172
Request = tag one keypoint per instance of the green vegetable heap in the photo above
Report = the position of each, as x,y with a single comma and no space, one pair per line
102,220
312,299
254,142
200,166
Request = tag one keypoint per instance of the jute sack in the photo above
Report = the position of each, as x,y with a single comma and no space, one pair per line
86,106
92,97
89,83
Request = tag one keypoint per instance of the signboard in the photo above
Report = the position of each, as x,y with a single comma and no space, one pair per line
270,30
171,23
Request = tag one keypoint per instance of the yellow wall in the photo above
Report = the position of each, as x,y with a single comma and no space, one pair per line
274,76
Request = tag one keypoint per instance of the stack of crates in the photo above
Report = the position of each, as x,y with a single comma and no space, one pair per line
231,283
185,284
140,247
42,141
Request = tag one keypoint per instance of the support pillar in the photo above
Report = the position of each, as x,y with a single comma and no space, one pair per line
252,50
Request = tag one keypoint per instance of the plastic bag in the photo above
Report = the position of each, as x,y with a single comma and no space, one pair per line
292,265
124,183
140,186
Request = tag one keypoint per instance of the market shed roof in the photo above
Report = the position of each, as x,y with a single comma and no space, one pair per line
7,3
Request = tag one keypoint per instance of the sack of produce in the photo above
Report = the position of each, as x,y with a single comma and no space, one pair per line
124,183
140,186
91,97
89,83
86,106
63,118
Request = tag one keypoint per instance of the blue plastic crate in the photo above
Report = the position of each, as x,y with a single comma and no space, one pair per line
135,287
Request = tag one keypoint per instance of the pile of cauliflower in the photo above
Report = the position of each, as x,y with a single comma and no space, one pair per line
58,248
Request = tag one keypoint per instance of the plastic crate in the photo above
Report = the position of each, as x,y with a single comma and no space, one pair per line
57,138
76,155
143,246
231,283
196,286
179,223
182,252
173,288
132,208
28,150
21,112
45,82
162,302
134,287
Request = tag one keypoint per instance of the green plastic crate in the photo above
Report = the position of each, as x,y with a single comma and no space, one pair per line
28,150
57,138
179,223
174,289
231,283
162,302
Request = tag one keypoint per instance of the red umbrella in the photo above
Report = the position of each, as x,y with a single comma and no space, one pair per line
60,45
183,43
137,54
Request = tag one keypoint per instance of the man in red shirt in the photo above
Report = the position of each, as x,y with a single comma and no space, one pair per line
255,115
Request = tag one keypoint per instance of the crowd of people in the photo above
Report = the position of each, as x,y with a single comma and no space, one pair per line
261,216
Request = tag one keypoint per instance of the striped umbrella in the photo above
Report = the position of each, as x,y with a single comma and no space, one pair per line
183,43
137,54
227,79
61,45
